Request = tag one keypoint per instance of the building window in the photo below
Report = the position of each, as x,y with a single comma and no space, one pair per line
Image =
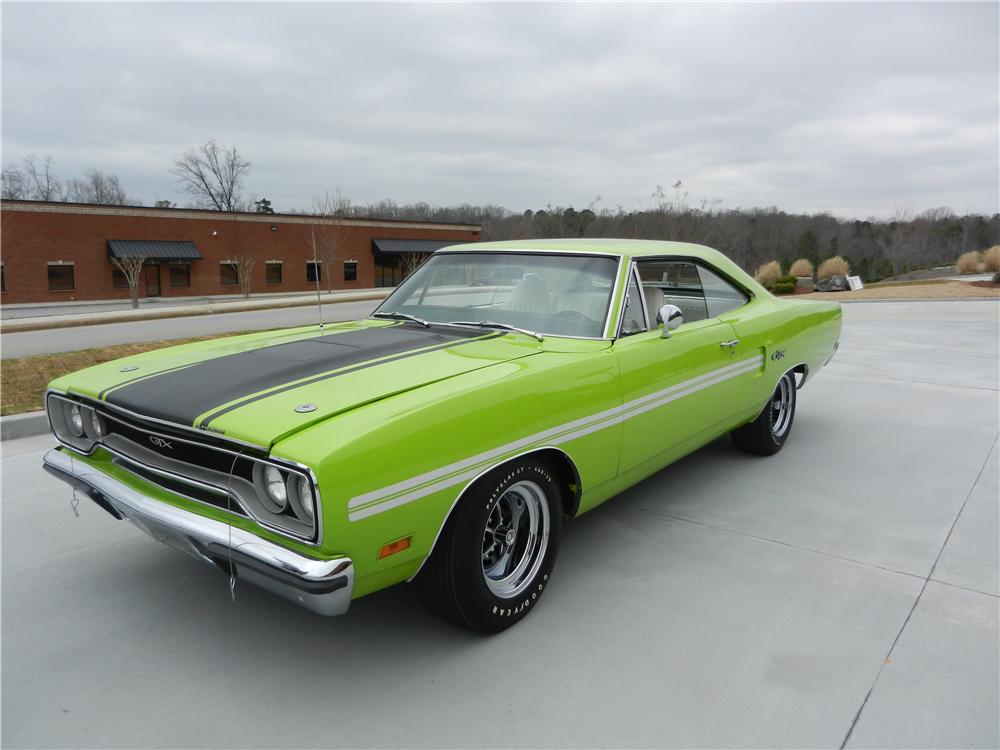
350,270
272,273
388,270
180,274
118,279
314,271
228,277
61,277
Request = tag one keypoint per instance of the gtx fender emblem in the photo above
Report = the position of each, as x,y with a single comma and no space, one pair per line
160,442
777,354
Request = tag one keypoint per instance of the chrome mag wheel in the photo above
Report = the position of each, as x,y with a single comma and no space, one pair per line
515,539
781,407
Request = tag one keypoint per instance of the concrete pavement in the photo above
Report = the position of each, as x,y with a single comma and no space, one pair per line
842,593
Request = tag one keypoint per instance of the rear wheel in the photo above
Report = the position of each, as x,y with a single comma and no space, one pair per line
769,431
497,551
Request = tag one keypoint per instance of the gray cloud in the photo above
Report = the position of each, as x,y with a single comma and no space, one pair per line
856,109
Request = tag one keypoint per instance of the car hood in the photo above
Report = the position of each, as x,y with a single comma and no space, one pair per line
262,388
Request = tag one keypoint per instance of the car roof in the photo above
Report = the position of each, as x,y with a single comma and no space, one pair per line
600,246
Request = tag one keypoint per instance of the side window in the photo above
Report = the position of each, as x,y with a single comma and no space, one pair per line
675,282
720,296
633,318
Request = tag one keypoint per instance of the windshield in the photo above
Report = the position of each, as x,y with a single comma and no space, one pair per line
560,295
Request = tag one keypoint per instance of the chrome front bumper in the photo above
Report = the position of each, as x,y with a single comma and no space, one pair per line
324,586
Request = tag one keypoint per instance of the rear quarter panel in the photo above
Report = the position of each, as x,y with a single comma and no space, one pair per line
789,333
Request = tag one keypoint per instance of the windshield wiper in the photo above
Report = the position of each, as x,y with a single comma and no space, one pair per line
402,316
491,324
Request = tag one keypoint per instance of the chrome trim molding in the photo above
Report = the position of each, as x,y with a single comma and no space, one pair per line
409,490
323,586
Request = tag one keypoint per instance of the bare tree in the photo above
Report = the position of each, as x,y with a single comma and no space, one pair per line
213,176
412,261
335,206
44,184
131,268
244,264
14,184
97,187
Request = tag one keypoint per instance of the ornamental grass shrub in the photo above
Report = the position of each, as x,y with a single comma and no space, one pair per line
835,266
785,285
801,267
768,273
991,259
968,263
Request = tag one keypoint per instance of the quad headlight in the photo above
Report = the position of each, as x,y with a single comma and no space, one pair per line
304,494
74,424
285,492
275,484
76,420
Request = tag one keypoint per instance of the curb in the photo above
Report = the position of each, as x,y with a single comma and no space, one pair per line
129,317
23,425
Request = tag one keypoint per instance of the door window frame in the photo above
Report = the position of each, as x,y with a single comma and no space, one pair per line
751,296
633,275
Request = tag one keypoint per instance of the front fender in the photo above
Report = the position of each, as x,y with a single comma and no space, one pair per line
395,468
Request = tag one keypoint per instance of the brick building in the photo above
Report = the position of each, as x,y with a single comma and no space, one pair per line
60,252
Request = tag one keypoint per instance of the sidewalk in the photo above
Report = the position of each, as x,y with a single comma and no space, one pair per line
215,306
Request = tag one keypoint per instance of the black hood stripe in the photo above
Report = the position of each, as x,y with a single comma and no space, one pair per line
108,390
261,396
182,395
115,387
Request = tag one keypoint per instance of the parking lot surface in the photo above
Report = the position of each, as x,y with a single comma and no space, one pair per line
841,593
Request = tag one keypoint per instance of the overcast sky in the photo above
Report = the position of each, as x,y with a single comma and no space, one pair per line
859,109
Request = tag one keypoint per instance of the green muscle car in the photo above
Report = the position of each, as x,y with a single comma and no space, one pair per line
502,388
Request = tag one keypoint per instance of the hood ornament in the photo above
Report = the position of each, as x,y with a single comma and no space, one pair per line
305,408
130,368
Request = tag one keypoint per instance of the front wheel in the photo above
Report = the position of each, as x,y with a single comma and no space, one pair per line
497,551
769,431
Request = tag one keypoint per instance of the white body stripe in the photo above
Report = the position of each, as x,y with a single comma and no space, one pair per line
401,493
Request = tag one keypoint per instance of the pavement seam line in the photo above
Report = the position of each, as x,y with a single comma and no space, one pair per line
831,555
939,582
759,538
947,538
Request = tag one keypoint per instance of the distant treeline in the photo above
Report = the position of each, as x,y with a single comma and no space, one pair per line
875,248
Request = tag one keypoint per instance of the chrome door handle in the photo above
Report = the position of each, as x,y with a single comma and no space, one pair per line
730,344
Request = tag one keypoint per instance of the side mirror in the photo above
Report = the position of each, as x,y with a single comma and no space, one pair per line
672,318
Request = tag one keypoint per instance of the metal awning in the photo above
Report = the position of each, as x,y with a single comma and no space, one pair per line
153,249
406,247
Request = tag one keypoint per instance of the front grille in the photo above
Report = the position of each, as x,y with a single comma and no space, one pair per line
199,466
168,444
223,501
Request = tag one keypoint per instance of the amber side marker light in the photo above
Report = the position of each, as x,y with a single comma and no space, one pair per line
392,548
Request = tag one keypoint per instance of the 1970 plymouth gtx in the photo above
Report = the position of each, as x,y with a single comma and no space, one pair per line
501,389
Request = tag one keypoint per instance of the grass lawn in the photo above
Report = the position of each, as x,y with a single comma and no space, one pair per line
23,380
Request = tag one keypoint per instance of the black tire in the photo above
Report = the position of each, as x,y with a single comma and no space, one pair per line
769,431
454,582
